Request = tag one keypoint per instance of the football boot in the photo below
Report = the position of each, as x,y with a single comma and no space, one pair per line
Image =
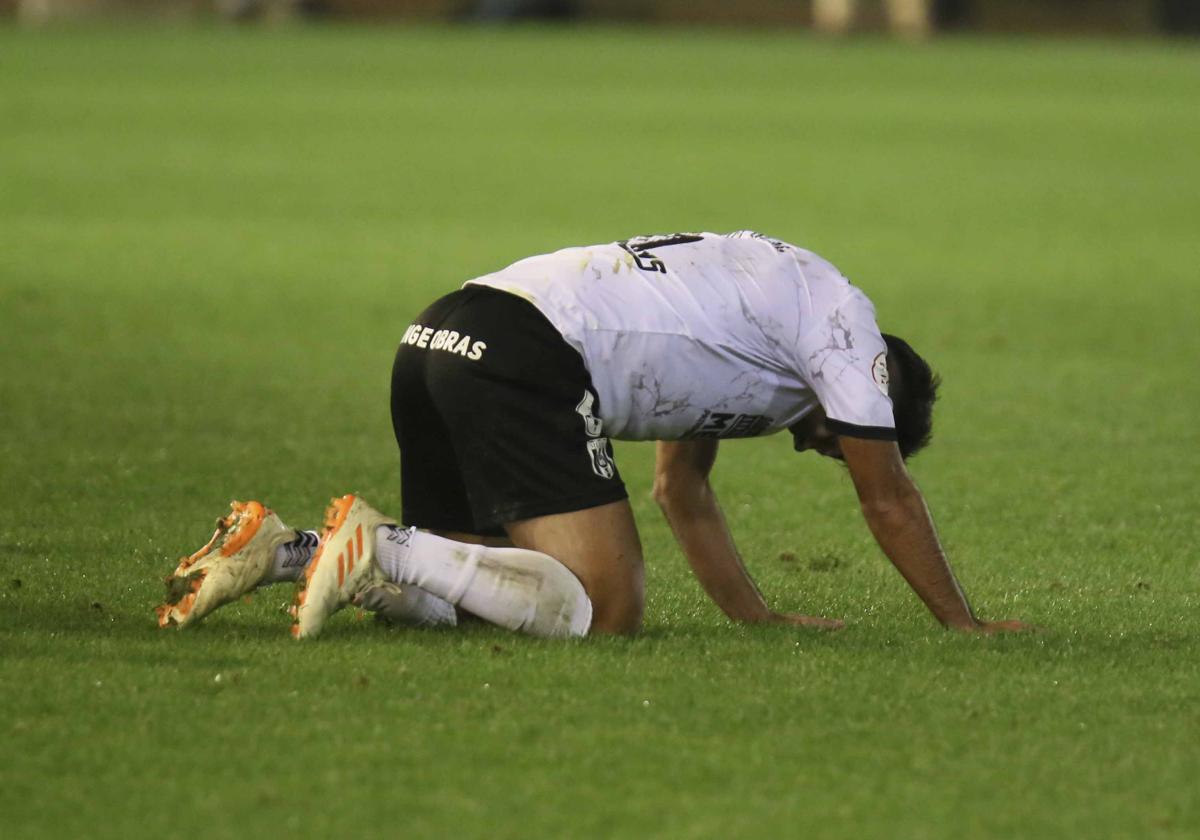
232,563
344,566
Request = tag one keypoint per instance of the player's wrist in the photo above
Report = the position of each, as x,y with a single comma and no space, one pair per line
750,613
959,617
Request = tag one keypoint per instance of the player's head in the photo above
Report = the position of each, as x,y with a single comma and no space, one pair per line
913,388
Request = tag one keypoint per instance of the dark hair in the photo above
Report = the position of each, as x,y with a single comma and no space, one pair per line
913,389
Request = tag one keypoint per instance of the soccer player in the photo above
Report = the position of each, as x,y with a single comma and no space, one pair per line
506,393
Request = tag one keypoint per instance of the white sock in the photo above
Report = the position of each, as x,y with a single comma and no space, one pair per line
513,587
291,558
409,605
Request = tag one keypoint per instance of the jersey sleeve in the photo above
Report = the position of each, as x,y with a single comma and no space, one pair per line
844,358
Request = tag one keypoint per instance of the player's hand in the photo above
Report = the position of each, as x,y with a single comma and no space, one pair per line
813,621
992,628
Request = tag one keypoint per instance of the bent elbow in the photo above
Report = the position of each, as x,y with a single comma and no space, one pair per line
893,508
663,492
881,511
670,491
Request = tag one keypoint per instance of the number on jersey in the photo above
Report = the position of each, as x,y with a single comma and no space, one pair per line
639,247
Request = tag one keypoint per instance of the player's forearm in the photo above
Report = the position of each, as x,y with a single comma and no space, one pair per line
699,526
905,532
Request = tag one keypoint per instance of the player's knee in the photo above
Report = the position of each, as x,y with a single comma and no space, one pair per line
618,602
623,619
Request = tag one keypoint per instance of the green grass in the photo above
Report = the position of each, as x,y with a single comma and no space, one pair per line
210,242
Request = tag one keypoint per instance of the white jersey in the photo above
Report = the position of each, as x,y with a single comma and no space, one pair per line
710,335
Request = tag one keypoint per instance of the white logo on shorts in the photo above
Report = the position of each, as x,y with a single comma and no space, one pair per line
598,451
592,424
602,462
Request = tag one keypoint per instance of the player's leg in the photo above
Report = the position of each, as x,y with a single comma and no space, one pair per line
600,545
434,496
433,493
523,588
565,574
362,551
519,419
455,445
515,588
487,408
413,606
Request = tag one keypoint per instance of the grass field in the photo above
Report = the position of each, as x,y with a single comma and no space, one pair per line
210,242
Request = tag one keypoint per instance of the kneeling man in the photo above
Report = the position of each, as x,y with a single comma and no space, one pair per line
506,394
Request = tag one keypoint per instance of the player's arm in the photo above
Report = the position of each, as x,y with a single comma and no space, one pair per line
683,491
896,514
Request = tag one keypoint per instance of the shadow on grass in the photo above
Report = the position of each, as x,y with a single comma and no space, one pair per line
72,627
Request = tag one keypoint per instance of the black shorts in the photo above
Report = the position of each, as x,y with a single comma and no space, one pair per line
496,418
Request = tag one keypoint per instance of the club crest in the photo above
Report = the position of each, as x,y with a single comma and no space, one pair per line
879,372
